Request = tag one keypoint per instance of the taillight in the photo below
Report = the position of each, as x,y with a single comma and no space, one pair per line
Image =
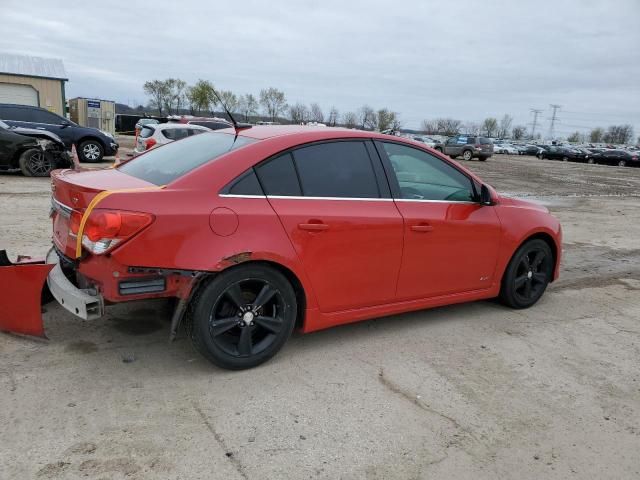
149,143
105,229
478,145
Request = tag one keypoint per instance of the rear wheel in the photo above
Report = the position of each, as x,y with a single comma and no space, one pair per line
91,151
622,163
527,275
483,159
467,155
243,317
565,159
36,163
591,161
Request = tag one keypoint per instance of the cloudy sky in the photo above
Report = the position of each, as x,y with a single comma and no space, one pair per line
463,59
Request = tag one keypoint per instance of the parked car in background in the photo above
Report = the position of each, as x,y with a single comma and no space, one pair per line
530,150
468,147
145,121
33,152
152,136
92,144
212,123
622,158
506,148
273,228
427,141
566,154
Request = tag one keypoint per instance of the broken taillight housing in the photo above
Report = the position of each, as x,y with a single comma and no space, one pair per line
149,143
105,229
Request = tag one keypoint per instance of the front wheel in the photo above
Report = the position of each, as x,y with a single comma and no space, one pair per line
622,163
36,163
467,155
243,317
527,275
91,151
565,159
591,161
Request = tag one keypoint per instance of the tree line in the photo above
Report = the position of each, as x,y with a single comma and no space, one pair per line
173,96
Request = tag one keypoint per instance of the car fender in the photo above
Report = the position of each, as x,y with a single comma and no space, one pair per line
518,228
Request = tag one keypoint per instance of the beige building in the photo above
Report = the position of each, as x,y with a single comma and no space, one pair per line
35,81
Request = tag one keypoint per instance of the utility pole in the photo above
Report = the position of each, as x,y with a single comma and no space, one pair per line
554,118
535,112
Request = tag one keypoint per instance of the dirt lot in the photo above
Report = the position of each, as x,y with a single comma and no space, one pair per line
470,391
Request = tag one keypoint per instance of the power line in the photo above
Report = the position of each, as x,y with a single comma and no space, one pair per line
535,112
554,118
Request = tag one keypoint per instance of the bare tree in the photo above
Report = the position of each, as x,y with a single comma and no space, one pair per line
596,135
248,105
518,132
316,114
350,119
619,134
490,127
575,137
333,117
472,128
229,100
298,113
273,101
448,126
157,90
367,118
505,126
430,127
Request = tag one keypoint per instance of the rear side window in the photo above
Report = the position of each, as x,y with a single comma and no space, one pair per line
16,114
175,133
485,141
165,164
211,125
278,176
336,169
247,184
146,132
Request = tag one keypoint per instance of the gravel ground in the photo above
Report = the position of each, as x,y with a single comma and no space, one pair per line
472,391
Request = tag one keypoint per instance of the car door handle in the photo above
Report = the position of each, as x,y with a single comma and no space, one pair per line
422,227
313,227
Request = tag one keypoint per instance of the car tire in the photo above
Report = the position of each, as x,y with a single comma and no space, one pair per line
91,151
467,155
35,163
622,163
527,275
565,159
439,149
591,161
233,326
483,159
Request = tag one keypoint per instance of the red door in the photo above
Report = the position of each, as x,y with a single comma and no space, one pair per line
343,225
451,242
449,247
350,249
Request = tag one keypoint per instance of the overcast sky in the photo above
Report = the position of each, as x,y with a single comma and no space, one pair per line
463,59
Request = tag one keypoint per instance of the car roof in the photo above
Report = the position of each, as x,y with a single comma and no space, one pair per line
262,132
164,126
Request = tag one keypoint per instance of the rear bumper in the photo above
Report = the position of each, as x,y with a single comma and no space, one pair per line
83,303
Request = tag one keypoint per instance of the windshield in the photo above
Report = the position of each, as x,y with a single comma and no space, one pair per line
164,164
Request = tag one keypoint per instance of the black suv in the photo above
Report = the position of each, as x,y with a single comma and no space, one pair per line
92,144
467,146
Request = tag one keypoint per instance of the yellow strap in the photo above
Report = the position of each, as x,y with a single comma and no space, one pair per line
92,204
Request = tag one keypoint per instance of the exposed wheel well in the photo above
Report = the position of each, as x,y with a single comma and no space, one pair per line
301,298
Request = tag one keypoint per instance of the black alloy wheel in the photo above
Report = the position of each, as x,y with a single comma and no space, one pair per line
622,163
528,274
36,163
244,316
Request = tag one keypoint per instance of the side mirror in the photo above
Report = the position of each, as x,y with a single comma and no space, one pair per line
485,196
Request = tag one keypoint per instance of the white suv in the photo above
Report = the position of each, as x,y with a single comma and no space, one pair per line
154,135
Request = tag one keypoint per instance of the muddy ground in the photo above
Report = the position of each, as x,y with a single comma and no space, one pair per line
472,391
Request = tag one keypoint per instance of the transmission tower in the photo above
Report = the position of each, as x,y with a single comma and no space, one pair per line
535,112
554,118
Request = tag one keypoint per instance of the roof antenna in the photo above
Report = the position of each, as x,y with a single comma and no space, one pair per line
236,126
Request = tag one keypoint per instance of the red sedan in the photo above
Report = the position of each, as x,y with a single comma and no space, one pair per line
266,229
